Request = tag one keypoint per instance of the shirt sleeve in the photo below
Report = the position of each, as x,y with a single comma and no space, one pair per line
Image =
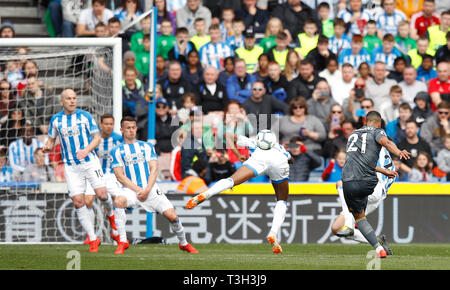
92,125
52,128
116,158
379,133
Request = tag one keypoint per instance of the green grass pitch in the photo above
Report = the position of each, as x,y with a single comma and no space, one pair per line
226,257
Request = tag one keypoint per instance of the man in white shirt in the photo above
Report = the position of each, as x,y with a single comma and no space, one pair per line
90,17
340,89
411,86
390,110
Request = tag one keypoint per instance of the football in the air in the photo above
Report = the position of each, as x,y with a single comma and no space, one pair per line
265,139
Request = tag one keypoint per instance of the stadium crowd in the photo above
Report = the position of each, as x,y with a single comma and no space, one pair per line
309,70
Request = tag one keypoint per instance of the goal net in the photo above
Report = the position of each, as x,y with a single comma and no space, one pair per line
34,204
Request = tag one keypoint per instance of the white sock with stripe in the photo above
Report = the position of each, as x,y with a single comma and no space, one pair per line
177,227
121,221
85,221
279,213
219,186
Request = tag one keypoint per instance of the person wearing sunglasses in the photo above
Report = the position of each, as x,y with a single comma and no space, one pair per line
436,127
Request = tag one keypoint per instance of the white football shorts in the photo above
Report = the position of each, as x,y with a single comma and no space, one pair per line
79,175
113,187
271,162
155,202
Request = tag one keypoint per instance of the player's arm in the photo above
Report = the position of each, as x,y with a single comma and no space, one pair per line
153,166
388,173
81,154
392,148
119,172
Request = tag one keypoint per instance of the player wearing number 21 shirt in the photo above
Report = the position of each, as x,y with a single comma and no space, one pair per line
359,175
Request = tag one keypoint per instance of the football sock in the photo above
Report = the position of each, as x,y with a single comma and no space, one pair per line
279,213
349,220
357,236
121,220
368,232
108,205
86,223
91,215
219,186
177,227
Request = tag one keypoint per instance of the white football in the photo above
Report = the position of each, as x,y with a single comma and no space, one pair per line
265,139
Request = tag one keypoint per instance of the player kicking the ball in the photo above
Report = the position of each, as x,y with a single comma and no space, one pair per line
75,128
135,165
344,225
359,175
272,161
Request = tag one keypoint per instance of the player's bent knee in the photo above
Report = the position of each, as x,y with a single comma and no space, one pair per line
101,193
120,202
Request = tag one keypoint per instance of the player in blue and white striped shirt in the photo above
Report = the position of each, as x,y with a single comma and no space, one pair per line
135,165
79,135
214,52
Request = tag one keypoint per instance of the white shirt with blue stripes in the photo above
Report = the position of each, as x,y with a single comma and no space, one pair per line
134,158
104,149
214,54
385,162
20,154
389,23
75,132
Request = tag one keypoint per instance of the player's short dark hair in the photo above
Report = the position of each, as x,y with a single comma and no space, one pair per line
106,116
373,117
127,119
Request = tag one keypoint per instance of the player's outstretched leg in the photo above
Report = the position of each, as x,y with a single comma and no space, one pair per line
368,232
177,227
241,175
279,214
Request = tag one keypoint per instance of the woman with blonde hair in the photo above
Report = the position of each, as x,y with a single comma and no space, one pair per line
291,67
274,26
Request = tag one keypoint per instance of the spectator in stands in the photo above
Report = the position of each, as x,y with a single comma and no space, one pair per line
196,115
227,71
114,27
71,11
279,52
443,53
253,16
420,21
89,17
165,126
331,74
7,100
422,170
339,41
422,109
291,68
235,122
399,67
403,42
262,105
367,105
410,85
352,104
193,9
136,44
214,52
12,73
293,14
306,79
201,36
20,151
308,39
320,55
341,88
211,94
29,69
194,182
182,47
300,123
164,14
387,53
7,30
236,40
333,171
377,88
189,102
239,85
388,19
161,71
415,55
443,157
305,160
436,33
262,69
326,16
371,40
390,110
174,86
192,72
220,165
12,128
193,148
6,172
321,102
436,127
273,27
396,128
276,84
226,22
39,171
439,88
133,93
356,54
426,70
337,138
249,52
400,168
56,162
355,17
364,71
175,156
39,104
413,143
128,12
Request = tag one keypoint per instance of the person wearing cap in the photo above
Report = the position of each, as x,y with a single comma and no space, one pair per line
165,126
7,30
250,52
422,109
